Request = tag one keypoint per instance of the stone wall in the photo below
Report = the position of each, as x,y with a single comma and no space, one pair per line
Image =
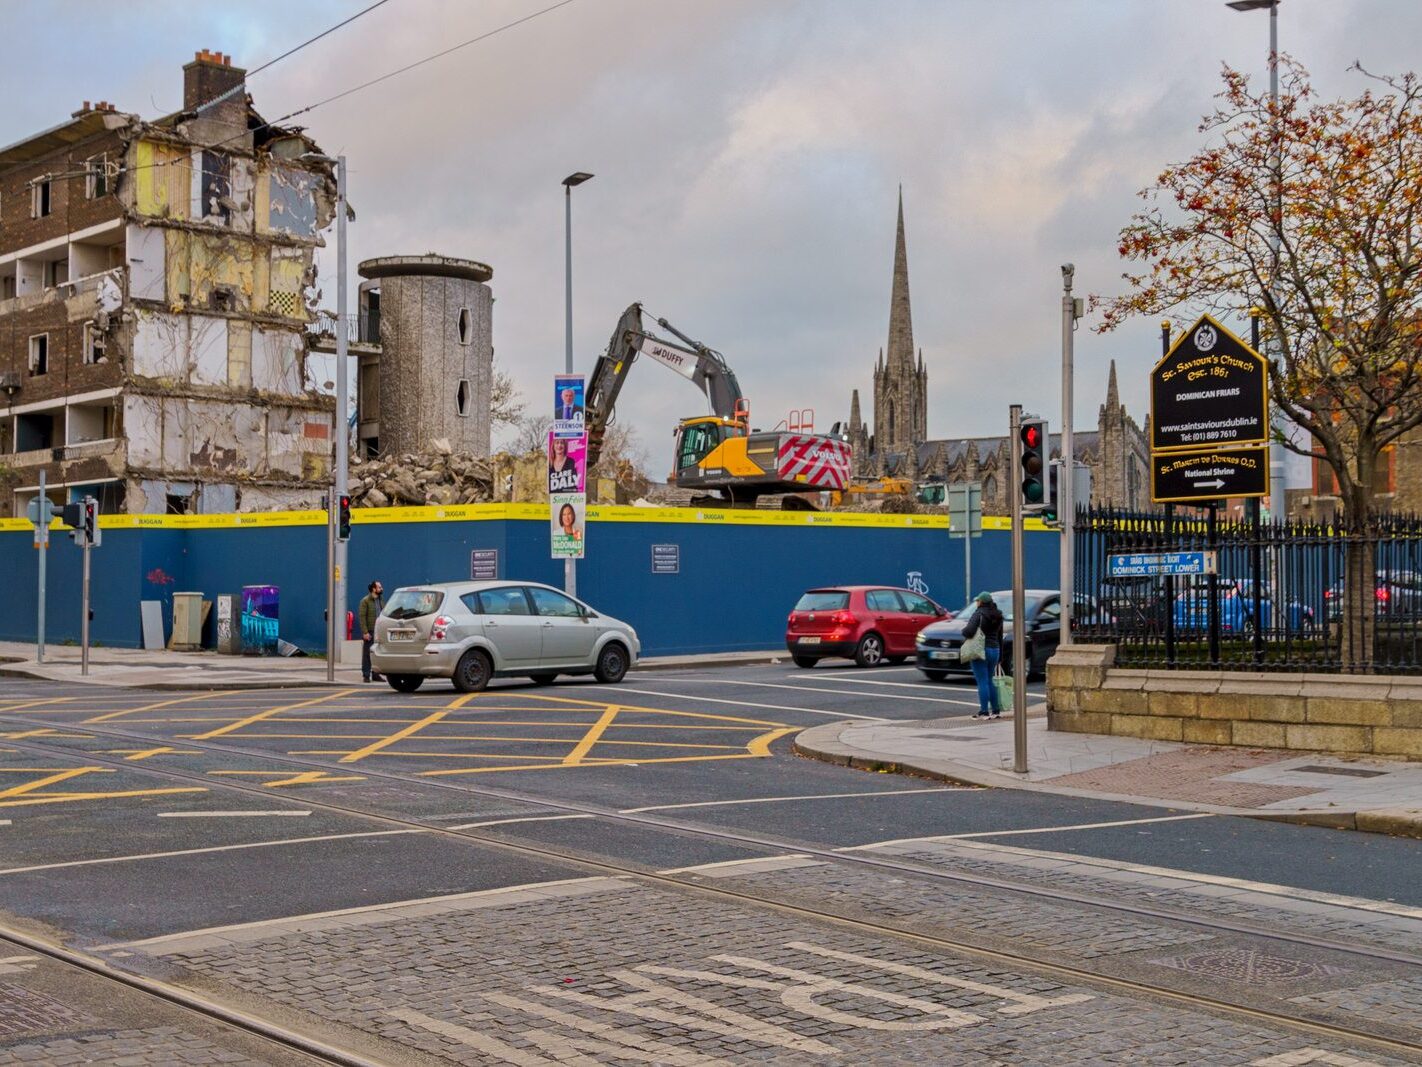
1373,715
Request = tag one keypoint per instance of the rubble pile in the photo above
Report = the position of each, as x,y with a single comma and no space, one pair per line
434,475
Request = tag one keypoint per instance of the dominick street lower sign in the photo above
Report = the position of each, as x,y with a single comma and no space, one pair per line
1209,474
1156,564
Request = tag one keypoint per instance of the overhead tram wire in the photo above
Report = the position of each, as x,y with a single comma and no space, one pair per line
267,124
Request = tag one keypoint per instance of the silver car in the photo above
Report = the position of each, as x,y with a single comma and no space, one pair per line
470,632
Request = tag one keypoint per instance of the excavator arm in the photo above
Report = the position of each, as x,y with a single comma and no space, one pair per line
703,367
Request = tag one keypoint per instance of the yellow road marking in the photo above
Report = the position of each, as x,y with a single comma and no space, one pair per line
61,798
584,746
145,753
399,735
249,720
20,735
309,777
496,738
53,779
160,704
760,746
655,711
35,704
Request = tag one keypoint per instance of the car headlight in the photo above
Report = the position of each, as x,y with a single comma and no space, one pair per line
919,639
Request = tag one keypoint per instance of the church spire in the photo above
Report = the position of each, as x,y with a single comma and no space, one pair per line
900,317
1113,395
855,422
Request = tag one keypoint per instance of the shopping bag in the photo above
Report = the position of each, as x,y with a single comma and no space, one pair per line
973,648
1002,689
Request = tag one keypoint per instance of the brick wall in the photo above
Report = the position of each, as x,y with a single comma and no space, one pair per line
70,209
1375,714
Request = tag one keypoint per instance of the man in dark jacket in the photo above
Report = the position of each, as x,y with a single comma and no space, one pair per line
988,618
370,607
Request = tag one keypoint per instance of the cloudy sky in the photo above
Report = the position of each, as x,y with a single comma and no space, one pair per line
747,155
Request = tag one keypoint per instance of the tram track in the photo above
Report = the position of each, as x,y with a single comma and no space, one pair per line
314,1049
681,883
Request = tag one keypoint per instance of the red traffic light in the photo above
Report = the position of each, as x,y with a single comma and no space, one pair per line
1032,435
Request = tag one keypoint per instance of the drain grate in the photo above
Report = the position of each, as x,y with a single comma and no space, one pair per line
1248,966
1347,772
23,1011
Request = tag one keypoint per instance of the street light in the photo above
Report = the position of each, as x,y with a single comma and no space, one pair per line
570,566
1276,454
336,554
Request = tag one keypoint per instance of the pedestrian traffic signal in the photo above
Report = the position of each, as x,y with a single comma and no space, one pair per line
1033,435
82,517
91,521
343,518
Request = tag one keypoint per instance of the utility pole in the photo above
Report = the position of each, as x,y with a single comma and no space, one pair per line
1019,598
84,618
570,566
41,543
1066,478
343,434
336,548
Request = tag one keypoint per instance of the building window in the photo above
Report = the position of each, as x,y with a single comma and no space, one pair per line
40,199
464,327
461,398
95,344
56,273
96,181
39,354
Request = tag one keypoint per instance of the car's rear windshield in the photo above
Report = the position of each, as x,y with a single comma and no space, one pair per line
823,600
413,603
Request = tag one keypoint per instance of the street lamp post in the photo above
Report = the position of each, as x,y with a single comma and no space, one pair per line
1277,498
570,566
336,548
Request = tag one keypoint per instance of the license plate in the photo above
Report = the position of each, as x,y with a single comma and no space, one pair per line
809,640
403,635
949,654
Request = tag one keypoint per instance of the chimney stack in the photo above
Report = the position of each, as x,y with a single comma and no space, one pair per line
209,75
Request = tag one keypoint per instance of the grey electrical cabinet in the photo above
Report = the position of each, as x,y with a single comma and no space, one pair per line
187,622
229,624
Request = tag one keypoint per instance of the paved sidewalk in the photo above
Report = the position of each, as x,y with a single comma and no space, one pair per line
143,669
1313,788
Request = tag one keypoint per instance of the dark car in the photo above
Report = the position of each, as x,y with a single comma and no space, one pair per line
1397,594
866,623
939,645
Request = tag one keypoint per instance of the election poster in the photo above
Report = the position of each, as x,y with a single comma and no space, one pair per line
567,464
569,419
568,517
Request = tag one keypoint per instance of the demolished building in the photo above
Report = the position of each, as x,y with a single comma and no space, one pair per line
154,280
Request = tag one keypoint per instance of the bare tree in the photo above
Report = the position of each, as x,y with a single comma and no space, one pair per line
506,404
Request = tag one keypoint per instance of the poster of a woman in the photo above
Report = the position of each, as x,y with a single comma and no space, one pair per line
567,459
568,515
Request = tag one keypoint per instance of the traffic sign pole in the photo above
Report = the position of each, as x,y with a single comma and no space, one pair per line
1019,598
1169,532
42,543
84,619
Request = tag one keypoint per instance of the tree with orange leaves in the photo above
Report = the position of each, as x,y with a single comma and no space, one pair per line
1312,212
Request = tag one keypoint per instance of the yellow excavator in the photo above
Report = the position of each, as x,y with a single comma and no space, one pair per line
719,453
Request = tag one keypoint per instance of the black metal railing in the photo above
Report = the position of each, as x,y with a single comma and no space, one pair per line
362,327
1285,596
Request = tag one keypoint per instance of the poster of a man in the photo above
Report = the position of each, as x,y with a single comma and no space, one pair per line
568,405
568,513
567,464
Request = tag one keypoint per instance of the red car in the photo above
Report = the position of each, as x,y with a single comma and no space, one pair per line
866,623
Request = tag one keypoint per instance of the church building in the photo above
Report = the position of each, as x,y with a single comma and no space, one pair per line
899,445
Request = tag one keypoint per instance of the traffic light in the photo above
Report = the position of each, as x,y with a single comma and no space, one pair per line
91,522
343,518
1033,435
82,517
1051,510
73,516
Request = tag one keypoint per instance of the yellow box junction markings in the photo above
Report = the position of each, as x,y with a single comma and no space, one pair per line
582,752
31,793
159,704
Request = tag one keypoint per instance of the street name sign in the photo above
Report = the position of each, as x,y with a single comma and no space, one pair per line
1209,474
1210,389
1151,564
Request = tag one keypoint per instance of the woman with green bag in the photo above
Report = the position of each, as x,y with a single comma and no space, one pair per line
987,620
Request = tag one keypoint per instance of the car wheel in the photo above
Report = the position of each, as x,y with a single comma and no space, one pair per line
935,676
542,679
404,683
473,671
805,661
611,664
870,650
